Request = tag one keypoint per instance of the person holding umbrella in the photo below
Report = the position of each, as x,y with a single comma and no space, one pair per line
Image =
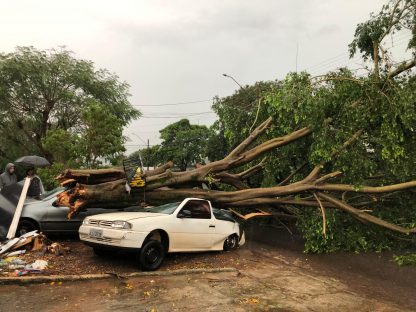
36,186
8,177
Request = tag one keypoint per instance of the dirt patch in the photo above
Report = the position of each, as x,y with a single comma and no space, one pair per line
82,260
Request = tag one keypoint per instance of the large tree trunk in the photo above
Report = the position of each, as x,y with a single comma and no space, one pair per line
107,187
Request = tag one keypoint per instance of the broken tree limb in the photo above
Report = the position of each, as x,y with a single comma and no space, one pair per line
363,216
249,172
250,139
323,214
91,176
257,213
159,169
290,176
228,163
366,189
401,68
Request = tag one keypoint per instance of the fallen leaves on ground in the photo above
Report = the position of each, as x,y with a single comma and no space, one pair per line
250,300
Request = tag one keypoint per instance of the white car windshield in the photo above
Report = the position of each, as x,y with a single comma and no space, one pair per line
167,208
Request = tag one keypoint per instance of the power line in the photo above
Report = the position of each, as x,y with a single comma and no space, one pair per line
173,104
345,59
324,62
164,113
177,116
139,145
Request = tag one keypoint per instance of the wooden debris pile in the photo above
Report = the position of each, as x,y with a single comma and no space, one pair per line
13,253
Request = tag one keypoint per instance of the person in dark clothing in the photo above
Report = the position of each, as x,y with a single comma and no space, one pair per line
8,177
36,187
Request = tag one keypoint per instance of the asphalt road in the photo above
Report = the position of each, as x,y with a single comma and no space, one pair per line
275,276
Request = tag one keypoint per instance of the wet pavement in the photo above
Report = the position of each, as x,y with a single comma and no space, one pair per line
272,277
273,282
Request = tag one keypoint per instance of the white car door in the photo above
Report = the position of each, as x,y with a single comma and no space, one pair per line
193,227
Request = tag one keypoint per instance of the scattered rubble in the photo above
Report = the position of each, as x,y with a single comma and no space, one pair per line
13,252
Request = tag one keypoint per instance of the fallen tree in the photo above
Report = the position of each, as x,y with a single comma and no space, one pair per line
107,188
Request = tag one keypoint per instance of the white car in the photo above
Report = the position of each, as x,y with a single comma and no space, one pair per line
189,226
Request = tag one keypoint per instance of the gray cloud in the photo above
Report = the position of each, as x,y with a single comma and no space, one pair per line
176,51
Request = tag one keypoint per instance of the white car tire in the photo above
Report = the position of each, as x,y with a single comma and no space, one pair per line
231,242
151,255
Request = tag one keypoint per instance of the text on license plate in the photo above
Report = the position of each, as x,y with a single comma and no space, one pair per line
95,233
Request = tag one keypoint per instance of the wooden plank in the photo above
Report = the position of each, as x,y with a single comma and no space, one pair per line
8,245
13,227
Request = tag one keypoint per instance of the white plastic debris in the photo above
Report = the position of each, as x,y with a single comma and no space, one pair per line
37,265
16,253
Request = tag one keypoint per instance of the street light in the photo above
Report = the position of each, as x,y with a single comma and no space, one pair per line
228,76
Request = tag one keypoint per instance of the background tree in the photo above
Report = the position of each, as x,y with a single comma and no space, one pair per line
183,143
63,145
217,145
151,157
101,135
43,91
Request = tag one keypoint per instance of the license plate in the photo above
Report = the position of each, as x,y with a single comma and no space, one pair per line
94,233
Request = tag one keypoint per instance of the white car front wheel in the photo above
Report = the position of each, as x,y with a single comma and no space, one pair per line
151,255
231,242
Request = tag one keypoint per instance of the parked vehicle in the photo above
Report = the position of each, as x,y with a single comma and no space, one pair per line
189,226
41,214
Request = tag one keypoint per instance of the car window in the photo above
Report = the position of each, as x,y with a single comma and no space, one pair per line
167,208
221,214
199,209
49,193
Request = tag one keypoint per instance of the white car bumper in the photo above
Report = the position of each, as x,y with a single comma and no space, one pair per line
112,237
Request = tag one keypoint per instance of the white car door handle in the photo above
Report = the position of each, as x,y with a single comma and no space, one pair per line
212,226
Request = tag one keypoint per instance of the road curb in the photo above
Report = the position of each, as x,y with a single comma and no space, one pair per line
87,277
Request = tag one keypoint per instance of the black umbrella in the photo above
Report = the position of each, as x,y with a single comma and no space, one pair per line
33,161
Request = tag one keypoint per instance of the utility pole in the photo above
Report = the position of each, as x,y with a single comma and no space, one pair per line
148,147
297,52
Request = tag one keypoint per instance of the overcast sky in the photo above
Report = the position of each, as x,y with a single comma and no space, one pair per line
175,51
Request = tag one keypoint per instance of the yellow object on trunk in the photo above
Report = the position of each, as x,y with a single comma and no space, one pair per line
137,180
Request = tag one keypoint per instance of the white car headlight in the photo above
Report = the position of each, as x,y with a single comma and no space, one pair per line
121,225
85,222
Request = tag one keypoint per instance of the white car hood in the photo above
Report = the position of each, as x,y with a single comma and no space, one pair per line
125,216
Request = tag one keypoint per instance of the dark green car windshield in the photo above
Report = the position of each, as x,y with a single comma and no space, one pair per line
167,209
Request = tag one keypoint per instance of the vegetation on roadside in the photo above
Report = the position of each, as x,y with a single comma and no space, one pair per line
409,259
60,107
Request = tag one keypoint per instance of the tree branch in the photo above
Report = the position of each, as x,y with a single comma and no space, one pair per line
403,67
323,214
250,139
363,216
366,189
290,176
